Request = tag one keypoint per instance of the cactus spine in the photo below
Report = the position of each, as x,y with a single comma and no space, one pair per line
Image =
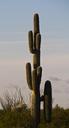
34,76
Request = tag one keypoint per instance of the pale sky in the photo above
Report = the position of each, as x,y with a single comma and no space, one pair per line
16,19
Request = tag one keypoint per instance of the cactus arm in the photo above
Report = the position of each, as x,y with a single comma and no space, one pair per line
28,75
38,41
36,23
30,38
39,75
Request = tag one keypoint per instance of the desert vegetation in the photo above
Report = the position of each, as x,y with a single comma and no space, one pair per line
14,113
21,117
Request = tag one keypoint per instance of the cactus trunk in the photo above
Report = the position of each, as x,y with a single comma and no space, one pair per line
35,108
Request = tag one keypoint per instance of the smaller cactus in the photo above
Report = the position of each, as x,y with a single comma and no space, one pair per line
47,101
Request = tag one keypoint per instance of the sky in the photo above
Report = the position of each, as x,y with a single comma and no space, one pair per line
16,19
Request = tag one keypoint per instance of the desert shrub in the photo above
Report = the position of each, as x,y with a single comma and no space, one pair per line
20,116
10,119
15,113
13,102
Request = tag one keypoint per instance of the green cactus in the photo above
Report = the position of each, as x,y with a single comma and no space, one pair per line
34,76
47,101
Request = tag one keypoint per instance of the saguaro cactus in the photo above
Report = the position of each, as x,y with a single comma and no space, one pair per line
34,76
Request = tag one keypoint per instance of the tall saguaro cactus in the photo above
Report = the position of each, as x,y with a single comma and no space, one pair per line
34,76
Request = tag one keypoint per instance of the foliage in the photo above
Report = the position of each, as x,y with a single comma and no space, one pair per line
15,113
15,119
12,102
60,119
21,118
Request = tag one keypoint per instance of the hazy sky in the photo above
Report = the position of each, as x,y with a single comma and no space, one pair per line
16,19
